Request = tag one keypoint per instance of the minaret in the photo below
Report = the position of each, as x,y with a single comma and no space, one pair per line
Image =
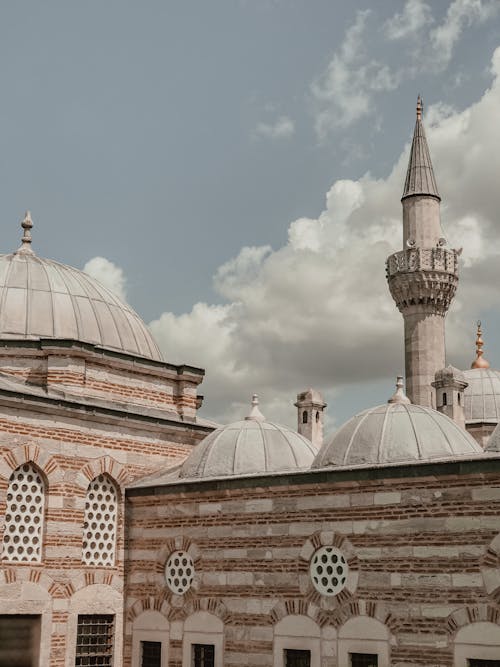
422,277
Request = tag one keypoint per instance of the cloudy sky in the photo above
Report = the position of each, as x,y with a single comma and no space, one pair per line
233,169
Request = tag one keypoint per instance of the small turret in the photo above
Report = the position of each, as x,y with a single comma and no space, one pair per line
310,415
450,384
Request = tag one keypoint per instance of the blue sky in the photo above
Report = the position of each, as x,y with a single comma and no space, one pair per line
180,142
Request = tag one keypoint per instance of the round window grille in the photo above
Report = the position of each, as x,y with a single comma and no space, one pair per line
22,539
328,570
99,526
179,572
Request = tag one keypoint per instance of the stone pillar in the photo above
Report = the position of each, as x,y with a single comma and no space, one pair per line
310,415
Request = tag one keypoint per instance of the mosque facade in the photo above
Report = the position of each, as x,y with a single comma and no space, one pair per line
133,532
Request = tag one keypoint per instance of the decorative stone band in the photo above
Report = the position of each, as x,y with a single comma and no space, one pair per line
423,278
426,259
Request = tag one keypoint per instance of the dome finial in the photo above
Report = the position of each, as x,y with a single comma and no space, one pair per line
255,414
479,361
27,225
399,395
420,107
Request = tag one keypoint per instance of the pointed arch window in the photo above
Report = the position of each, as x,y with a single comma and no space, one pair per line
99,527
24,515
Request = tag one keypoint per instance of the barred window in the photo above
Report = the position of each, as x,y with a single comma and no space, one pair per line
297,658
22,538
94,641
364,659
203,655
150,654
99,527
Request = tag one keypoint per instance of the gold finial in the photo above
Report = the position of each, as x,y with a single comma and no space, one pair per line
27,225
420,106
479,361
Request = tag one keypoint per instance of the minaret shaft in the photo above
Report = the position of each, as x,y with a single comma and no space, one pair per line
421,221
423,277
424,354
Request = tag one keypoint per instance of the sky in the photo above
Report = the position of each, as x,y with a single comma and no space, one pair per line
233,169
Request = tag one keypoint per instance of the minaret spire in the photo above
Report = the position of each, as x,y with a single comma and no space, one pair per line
422,277
420,179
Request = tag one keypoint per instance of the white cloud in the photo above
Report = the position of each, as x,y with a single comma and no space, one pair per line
317,311
460,15
107,273
342,95
348,88
415,16
282,128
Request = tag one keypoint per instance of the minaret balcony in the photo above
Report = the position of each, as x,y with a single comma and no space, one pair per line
423,279
422,259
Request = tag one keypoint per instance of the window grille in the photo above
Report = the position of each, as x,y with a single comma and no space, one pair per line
150,654
99,527
22,539
297,658
94,641
364,660
203,655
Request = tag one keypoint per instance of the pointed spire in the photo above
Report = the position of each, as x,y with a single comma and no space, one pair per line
420,178
399,395
27,225
479,361
255,413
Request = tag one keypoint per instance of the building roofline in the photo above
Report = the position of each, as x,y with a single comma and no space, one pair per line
480,464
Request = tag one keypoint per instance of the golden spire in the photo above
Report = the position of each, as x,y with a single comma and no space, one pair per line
479,361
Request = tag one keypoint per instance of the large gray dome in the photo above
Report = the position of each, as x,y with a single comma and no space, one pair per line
250,446
40,298
396,432
482,396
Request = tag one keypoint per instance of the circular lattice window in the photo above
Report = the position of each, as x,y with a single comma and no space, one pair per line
99,527
22,537
328,570
179,572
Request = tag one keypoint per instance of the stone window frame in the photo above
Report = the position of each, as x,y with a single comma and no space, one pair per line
150,626
202,627
172,545
296,631
116,520
363,634
476,640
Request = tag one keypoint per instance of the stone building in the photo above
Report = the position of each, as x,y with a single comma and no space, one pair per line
135,533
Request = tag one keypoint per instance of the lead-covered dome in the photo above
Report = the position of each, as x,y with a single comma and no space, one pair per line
396,432
482,396
246,447
41,298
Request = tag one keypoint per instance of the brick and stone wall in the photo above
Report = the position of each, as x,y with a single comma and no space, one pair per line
422,544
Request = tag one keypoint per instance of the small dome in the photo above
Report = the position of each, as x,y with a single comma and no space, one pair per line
250,446
395,432
482,396
40,298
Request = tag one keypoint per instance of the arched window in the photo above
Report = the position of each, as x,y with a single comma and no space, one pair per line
458,398
22,538
304,417
317,416
203,640
99,527
445,399
363,640
297,641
